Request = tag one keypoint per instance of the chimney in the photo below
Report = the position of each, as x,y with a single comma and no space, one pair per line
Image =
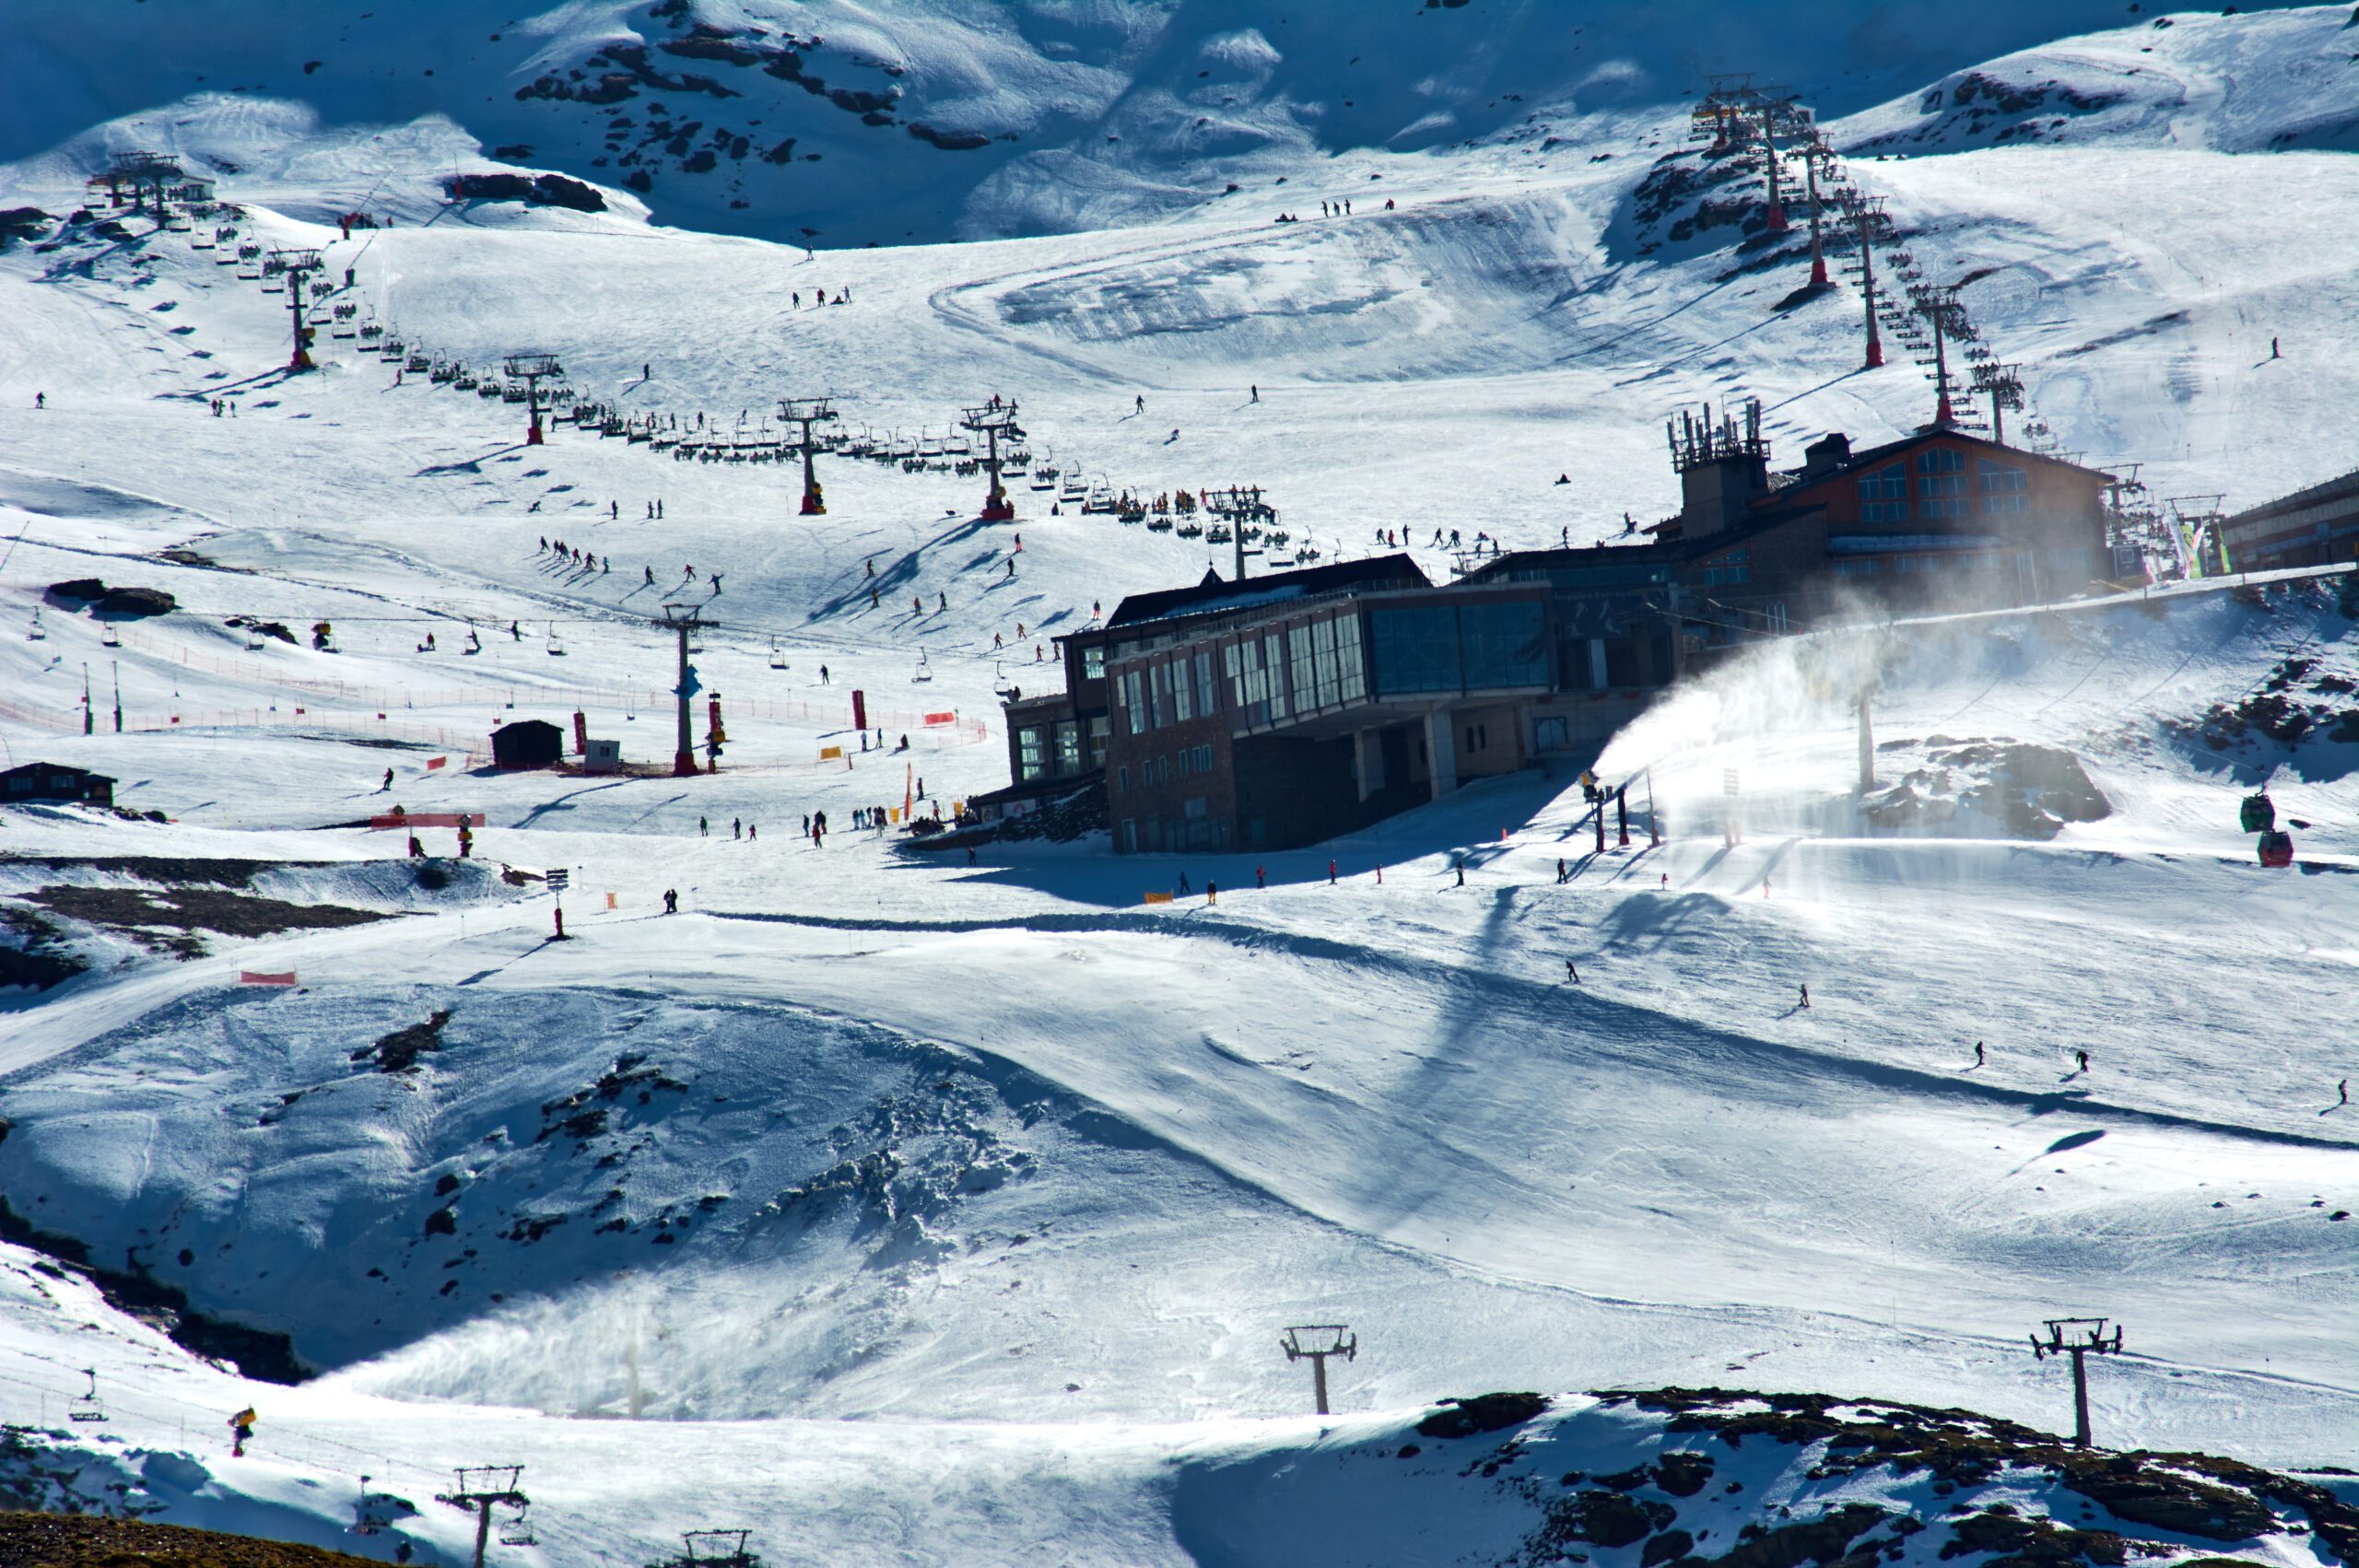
1826,455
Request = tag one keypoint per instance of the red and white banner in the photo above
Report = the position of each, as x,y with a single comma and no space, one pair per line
434,762
933,719
255,978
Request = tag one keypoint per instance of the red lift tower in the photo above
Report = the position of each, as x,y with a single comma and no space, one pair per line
298,265
1869,222
1937,303
993,420
807,412
532,369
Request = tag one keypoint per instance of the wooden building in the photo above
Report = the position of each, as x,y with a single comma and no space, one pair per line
2312,527
1289,708
55,781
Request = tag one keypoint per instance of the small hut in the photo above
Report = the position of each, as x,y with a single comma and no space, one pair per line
528,743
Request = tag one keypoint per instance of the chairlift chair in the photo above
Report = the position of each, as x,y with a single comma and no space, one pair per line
925,671
518,1531
37,633
108,637
556,648
85,1406
778,658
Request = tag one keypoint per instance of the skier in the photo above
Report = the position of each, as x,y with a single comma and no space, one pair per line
1255,391
646,372
736,827
716,582
2343,1093
1184,888
1261,877
40,400
614,511
659,512
514,634
945,601
1331,874
671,901
650,575
2273,349
1142,402
1980,1059
242,1427
1572,974
1666,882
1462,873
704,829
1805,1004
871,565
753,831
1011,566
2082,1058
917,604
1560,870
823,674
387,787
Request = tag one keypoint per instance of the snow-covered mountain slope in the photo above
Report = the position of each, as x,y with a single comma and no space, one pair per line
854,124
1625,1476
1021,1174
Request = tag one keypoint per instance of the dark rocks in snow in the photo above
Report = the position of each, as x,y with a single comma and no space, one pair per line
2031,791
536,190
77,591
1482,1412
444,1222
135,603
399,1051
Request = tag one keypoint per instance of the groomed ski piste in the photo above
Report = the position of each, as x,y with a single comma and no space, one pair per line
928,1212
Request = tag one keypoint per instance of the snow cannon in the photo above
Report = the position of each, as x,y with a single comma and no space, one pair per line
2276,849
2258,813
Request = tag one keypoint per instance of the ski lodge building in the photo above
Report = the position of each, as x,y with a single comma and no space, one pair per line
1289,708
2312,527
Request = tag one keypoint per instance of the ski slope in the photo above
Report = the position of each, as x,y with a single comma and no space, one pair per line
950,1212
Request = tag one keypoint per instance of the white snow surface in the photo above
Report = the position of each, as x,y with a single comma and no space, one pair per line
950,1213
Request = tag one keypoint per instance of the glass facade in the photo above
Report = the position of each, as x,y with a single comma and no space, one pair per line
1449,648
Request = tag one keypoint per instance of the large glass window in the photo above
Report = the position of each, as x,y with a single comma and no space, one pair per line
1506,645
1351,685
1416,651
1306,682
1999,479
1093,663
1183,697
1069,746
1884,495
1100,727
1158,697
1322,654
1028,754
1207,704
1134,701
1277,676
1236,673
1941,460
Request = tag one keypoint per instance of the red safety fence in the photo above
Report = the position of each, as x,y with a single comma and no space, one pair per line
256,977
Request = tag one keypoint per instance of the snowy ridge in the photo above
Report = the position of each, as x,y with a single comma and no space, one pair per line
949,1212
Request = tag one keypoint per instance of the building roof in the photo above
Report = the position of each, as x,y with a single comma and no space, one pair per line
1675,551
1212,594
52,769
1872,457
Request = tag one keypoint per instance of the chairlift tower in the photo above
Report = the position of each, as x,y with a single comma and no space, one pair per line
2077,1338
713,1549
1816,152
481,1488
150,171
1239,507
1315,1342
1868,220
1937,303
533,369
298,264
683,619
807,412
2004,386
991,421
